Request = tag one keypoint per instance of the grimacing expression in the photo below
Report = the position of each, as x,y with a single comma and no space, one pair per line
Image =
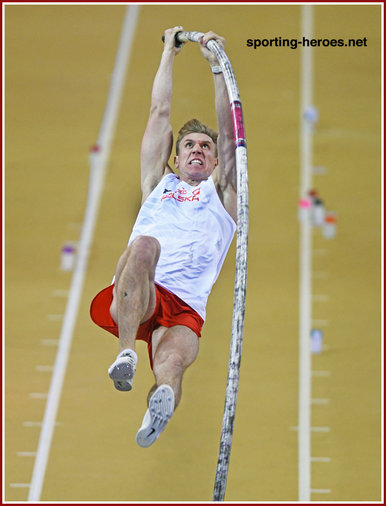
196,158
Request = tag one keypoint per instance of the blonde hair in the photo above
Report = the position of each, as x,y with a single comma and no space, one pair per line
195,126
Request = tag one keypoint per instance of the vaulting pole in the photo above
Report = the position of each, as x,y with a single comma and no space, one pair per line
241,261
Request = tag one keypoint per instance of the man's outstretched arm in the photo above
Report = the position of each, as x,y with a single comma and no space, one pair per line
226,170
157,141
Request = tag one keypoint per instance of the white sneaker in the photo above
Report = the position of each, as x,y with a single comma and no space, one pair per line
161,409
123,369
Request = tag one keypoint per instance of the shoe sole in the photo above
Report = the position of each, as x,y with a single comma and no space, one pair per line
122,373
161,409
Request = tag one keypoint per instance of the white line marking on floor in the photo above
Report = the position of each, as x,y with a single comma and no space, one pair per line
26,454
54,317
44,368
19,485
314,429
98,163
49,342
321,374
32,424
320,401
320,491
36,395
320,459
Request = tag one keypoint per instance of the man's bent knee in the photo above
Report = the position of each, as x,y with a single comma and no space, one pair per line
174,361
145,250
141,256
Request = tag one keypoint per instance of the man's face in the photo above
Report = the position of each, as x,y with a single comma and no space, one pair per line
196,159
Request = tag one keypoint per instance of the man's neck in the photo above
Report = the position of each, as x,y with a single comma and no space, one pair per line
191,182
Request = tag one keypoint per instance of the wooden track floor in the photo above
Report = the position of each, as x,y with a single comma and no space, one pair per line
58,65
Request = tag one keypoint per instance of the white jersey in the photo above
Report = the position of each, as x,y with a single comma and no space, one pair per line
195,232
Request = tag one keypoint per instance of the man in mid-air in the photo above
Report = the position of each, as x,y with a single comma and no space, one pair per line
177,246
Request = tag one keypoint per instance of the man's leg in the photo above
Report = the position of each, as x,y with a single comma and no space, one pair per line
134,301
174,350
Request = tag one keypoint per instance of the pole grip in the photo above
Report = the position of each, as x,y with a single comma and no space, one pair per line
182,37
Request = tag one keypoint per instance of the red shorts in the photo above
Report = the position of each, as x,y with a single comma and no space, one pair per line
169,310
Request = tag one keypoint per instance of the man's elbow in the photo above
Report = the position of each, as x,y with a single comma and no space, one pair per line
160,110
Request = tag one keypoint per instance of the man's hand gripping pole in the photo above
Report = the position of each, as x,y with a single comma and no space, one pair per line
182,37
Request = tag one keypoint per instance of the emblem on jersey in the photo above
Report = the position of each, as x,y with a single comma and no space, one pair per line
182,195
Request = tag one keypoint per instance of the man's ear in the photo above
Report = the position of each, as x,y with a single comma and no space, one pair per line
176,162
